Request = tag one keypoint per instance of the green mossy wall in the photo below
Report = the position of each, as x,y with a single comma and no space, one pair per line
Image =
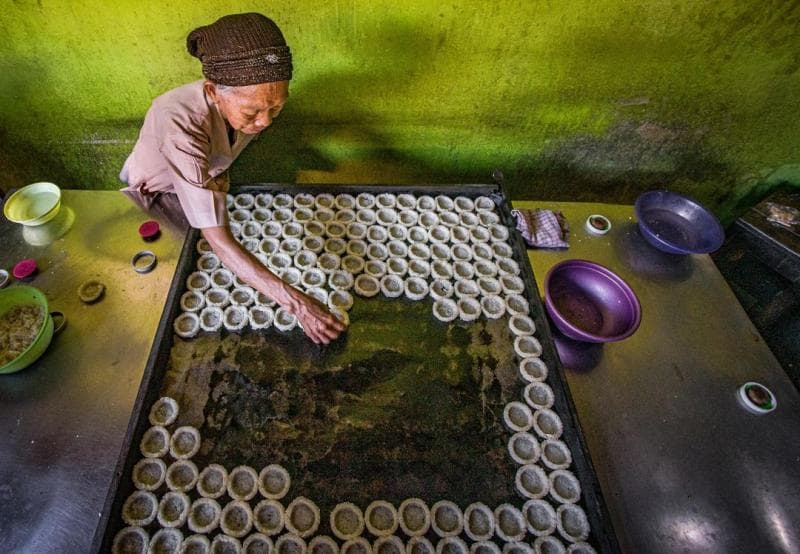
574,100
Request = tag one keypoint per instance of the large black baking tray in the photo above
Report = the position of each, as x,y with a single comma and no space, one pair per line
460,487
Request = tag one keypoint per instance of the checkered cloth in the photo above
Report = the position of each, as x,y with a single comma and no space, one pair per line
542,228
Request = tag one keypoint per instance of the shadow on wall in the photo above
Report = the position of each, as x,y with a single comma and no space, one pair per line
80,157
22,162
339,140
633,156
616,167
86,163
630,158
297,143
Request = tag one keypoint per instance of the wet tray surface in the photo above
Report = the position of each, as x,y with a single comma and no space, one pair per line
403,406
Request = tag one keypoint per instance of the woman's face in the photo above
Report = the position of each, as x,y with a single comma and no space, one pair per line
249,109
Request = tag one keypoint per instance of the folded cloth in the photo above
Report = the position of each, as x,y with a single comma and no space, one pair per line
542,228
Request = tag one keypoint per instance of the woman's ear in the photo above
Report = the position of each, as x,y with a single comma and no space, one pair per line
211,90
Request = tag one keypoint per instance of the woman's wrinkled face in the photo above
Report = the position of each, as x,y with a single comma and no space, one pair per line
249,109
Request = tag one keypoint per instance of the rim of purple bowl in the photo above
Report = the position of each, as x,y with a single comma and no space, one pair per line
672,248
576,333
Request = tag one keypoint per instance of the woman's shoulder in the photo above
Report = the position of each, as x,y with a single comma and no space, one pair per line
186,106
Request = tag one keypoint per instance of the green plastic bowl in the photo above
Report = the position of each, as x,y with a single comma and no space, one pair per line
14,296
34,204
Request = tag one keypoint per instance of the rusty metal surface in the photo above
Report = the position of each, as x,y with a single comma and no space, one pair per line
403,406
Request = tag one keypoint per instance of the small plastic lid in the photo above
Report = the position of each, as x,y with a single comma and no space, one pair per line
598,224
149,230
91,291
25,269
757,398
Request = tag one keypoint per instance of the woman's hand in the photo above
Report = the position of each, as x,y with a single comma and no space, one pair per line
317,321
314,317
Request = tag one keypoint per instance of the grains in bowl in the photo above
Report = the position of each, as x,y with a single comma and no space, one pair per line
18,329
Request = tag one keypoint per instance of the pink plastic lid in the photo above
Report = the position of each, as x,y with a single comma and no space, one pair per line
149,229
25,269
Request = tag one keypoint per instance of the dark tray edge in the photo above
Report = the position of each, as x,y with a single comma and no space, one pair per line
138,423
597,511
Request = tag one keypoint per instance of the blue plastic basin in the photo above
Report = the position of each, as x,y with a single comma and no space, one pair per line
677,224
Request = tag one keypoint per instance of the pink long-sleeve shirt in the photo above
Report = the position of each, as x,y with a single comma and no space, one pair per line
183,148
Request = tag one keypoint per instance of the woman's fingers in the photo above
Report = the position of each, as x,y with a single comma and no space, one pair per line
324,335
330,333
337,324
319,324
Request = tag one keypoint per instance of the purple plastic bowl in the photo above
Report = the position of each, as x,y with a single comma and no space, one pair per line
590,303
677,224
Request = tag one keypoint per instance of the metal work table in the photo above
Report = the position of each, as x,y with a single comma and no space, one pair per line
63,418
682,466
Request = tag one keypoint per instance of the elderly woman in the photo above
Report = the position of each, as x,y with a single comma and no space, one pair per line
192,134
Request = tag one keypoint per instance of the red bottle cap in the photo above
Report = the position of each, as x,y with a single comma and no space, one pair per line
25,269
149,230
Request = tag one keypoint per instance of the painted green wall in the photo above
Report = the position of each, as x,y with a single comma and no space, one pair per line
572,99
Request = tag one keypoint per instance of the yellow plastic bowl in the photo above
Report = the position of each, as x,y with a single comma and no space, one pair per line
33,205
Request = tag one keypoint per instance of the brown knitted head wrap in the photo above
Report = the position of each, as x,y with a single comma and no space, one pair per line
241,49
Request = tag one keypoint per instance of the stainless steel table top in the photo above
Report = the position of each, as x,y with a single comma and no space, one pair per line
63,419
682,466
